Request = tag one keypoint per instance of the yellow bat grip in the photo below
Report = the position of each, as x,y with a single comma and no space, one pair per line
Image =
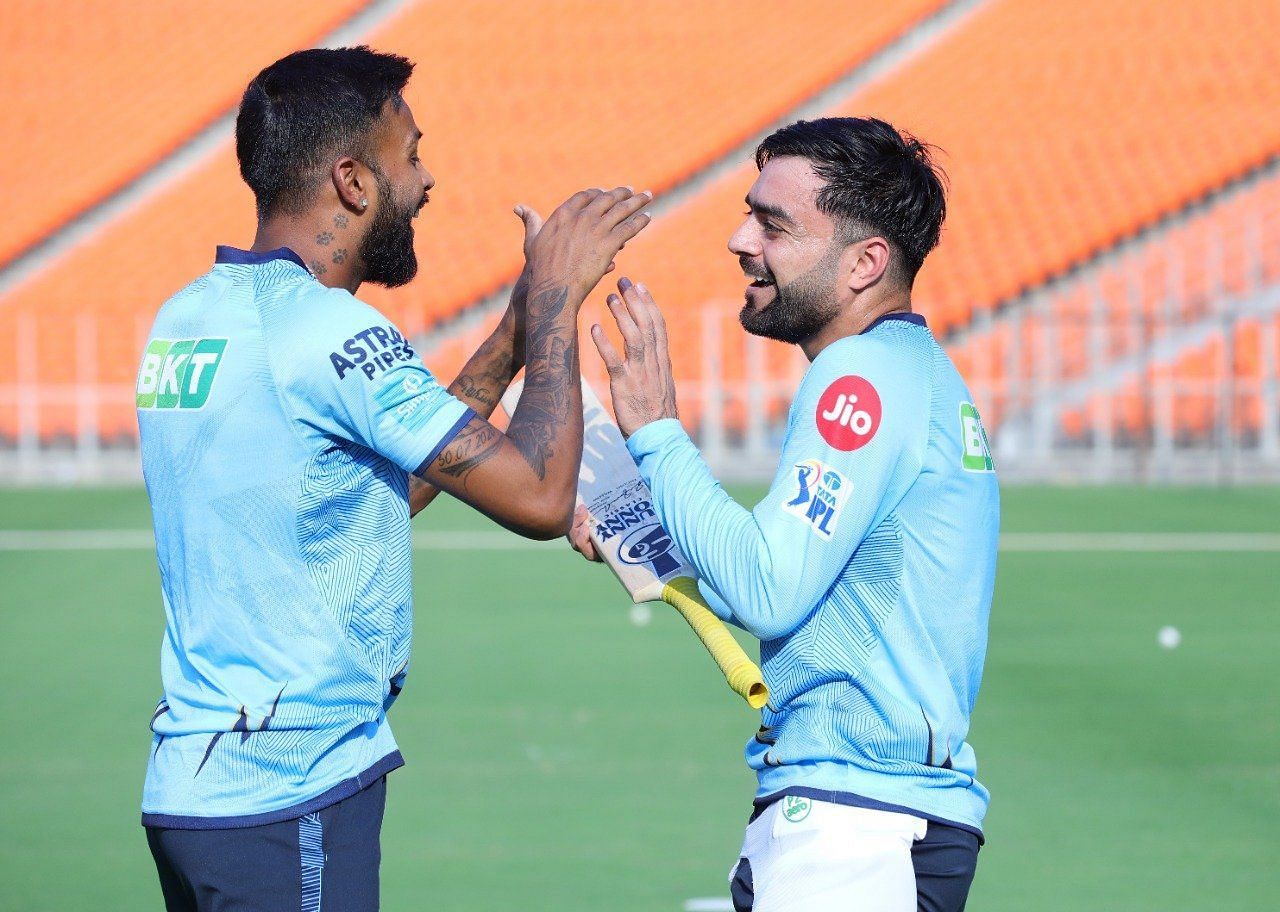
742,674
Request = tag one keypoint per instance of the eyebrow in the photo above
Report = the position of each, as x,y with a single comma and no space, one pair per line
413,140
769,210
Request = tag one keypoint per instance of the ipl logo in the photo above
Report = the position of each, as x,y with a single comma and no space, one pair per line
649,545
820,494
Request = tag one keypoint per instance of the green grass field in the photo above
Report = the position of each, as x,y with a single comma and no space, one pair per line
561,758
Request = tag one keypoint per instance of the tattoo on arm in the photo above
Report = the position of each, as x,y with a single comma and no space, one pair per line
485,376
475,445
469,389
552,364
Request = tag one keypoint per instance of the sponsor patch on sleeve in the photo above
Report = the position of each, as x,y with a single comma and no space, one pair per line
400,397
818,496
371,352
848,413
973,437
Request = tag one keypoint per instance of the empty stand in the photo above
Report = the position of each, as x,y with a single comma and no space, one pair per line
1064,129
562,95
1111,251
96,93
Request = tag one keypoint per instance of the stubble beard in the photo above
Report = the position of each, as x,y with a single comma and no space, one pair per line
800,309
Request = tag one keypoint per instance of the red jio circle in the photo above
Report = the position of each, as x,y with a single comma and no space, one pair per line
848,413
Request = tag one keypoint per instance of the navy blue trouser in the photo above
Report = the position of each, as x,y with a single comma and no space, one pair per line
324,862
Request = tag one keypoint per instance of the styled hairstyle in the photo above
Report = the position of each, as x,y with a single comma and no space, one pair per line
305,109
879,181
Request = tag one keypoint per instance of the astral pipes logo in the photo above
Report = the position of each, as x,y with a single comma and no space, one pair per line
178,373
649,545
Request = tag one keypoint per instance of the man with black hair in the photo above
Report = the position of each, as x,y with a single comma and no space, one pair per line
867,570
288,433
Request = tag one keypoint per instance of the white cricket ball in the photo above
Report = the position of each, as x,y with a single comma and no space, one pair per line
1169,637
641,615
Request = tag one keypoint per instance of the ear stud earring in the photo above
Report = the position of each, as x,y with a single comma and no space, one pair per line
364,204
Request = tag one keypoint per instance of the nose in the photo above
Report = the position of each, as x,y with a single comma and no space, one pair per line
428,181
745,241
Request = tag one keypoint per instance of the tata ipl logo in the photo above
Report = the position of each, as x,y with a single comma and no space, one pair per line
820,495
651,545
178,373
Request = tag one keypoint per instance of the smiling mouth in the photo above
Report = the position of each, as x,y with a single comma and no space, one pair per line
761,283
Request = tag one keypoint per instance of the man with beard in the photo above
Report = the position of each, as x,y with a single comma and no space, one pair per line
284,424
867,570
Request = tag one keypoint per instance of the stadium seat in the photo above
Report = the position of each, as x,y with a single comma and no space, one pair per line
97,93
524,112
1065,131
1051,157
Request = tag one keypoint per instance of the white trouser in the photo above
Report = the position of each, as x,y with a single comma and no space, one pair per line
813,856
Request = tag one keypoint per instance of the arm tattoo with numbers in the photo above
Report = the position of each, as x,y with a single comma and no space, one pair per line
475,445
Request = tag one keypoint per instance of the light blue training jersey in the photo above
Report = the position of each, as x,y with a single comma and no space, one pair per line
279,420
866,572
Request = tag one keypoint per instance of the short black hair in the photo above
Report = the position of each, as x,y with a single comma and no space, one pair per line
879,181
304,109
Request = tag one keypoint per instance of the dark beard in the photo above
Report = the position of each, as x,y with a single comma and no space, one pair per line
387,248
800,309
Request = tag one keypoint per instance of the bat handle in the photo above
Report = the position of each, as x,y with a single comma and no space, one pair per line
742,674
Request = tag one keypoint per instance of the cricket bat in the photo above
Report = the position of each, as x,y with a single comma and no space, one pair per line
630,539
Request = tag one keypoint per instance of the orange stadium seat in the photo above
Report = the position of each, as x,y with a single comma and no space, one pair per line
1052,156
563,95
1064,129
96,93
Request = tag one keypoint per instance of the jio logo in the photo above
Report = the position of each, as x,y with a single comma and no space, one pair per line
649,545
848,413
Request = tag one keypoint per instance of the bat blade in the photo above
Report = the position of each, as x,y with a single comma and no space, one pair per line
631,540
624,525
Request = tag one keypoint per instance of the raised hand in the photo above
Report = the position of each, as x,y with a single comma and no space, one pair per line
577,244
640,379
532,225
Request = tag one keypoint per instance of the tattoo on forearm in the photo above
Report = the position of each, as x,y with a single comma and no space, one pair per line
469,388
475,445
551,360
486,374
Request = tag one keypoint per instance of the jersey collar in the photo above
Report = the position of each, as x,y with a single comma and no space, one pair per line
237,257
917,319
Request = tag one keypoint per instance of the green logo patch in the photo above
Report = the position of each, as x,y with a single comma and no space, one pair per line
977,449
796,808
178,373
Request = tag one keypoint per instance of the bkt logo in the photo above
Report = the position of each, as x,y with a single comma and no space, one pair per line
178,373
649,545
820,495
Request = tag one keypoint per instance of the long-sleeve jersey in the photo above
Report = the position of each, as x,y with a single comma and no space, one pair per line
866,572
279,420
